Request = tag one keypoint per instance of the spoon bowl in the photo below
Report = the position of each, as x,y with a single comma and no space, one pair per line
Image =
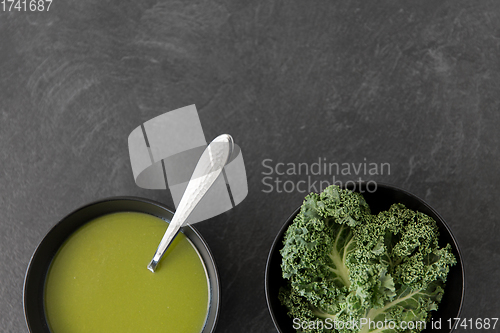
34,283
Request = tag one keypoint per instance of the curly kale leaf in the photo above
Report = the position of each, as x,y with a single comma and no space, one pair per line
318,243
344,263
408,306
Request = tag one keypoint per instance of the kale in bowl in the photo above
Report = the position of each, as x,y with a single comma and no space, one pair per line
348,262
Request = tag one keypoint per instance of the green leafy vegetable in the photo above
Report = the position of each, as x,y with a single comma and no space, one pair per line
345,265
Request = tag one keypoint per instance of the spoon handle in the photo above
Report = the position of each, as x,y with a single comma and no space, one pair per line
208,169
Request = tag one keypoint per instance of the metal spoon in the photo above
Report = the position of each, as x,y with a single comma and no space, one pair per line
209,167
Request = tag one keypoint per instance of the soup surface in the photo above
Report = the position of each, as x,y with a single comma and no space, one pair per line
99,281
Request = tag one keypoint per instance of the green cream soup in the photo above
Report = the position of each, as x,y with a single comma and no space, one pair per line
98,280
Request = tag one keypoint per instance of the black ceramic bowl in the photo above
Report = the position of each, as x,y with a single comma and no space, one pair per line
379,200
40,261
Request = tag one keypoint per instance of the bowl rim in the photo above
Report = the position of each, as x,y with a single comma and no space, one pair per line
284,227
205,254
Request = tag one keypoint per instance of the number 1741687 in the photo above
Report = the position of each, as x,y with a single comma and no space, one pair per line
25,5
473,324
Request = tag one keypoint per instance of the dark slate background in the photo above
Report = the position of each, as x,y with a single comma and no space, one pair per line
410,83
